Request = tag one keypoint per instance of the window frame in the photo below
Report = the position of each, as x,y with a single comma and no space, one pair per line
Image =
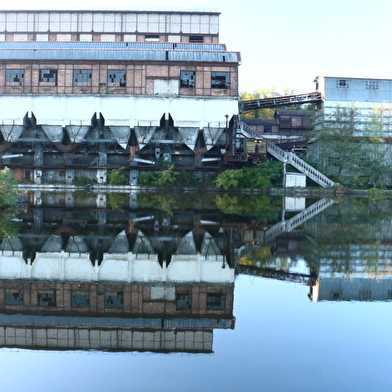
14,71
113,74
217,81
48,80
342,83
83,72
187,82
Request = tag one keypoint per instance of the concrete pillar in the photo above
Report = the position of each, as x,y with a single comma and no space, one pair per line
69,176
101,176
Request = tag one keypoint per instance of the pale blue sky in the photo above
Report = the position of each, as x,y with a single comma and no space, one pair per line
284,43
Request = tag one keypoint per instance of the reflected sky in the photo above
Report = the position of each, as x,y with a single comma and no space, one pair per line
280,340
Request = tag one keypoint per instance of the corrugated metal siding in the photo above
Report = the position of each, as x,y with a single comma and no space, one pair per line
112,45
204,47
230,57
116,55
357,91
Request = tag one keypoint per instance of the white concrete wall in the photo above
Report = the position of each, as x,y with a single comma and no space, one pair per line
118,110
117,267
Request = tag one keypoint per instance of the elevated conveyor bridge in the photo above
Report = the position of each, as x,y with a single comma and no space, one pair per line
285,100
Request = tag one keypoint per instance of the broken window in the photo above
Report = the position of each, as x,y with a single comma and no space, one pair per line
196,38
14,76
48,76
216,301
80,299
117,78
47,299
188,79
372,85
82,77
183,301
342,83
220,80
14,297
152,38
114,300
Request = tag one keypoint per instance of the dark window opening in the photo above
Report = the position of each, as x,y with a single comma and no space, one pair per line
220,80
117,78
82,77
48,76
14,298
372,85
47,299
114,300
342,83
61,173
216,301
152,38
336,295
183,302
196,38
14,76
267,128
333,161
188,79
80,299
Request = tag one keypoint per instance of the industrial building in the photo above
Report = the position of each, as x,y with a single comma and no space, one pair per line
83,92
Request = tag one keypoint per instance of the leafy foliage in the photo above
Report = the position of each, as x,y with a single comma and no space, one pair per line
265,209
168,177
8,201
259,177
7,188
353,150
116,177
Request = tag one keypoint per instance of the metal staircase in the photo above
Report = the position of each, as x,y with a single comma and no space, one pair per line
297,220
299,164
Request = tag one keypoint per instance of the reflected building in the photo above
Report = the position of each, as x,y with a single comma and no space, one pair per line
100,279
343,253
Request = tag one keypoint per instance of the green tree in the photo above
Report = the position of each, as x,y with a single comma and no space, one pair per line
352,147
259,177
8,188
339,137
116,177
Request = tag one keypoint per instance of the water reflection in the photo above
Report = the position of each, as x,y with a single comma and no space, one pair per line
156,272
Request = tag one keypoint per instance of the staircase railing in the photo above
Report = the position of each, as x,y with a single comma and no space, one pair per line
297,220
299,164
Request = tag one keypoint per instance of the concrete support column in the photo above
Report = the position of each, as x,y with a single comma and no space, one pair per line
101,176
69,176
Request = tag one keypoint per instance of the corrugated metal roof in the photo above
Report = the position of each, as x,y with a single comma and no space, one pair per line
112,45
230,57
116,55
203,47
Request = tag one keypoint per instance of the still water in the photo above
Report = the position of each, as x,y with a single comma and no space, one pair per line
196,292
